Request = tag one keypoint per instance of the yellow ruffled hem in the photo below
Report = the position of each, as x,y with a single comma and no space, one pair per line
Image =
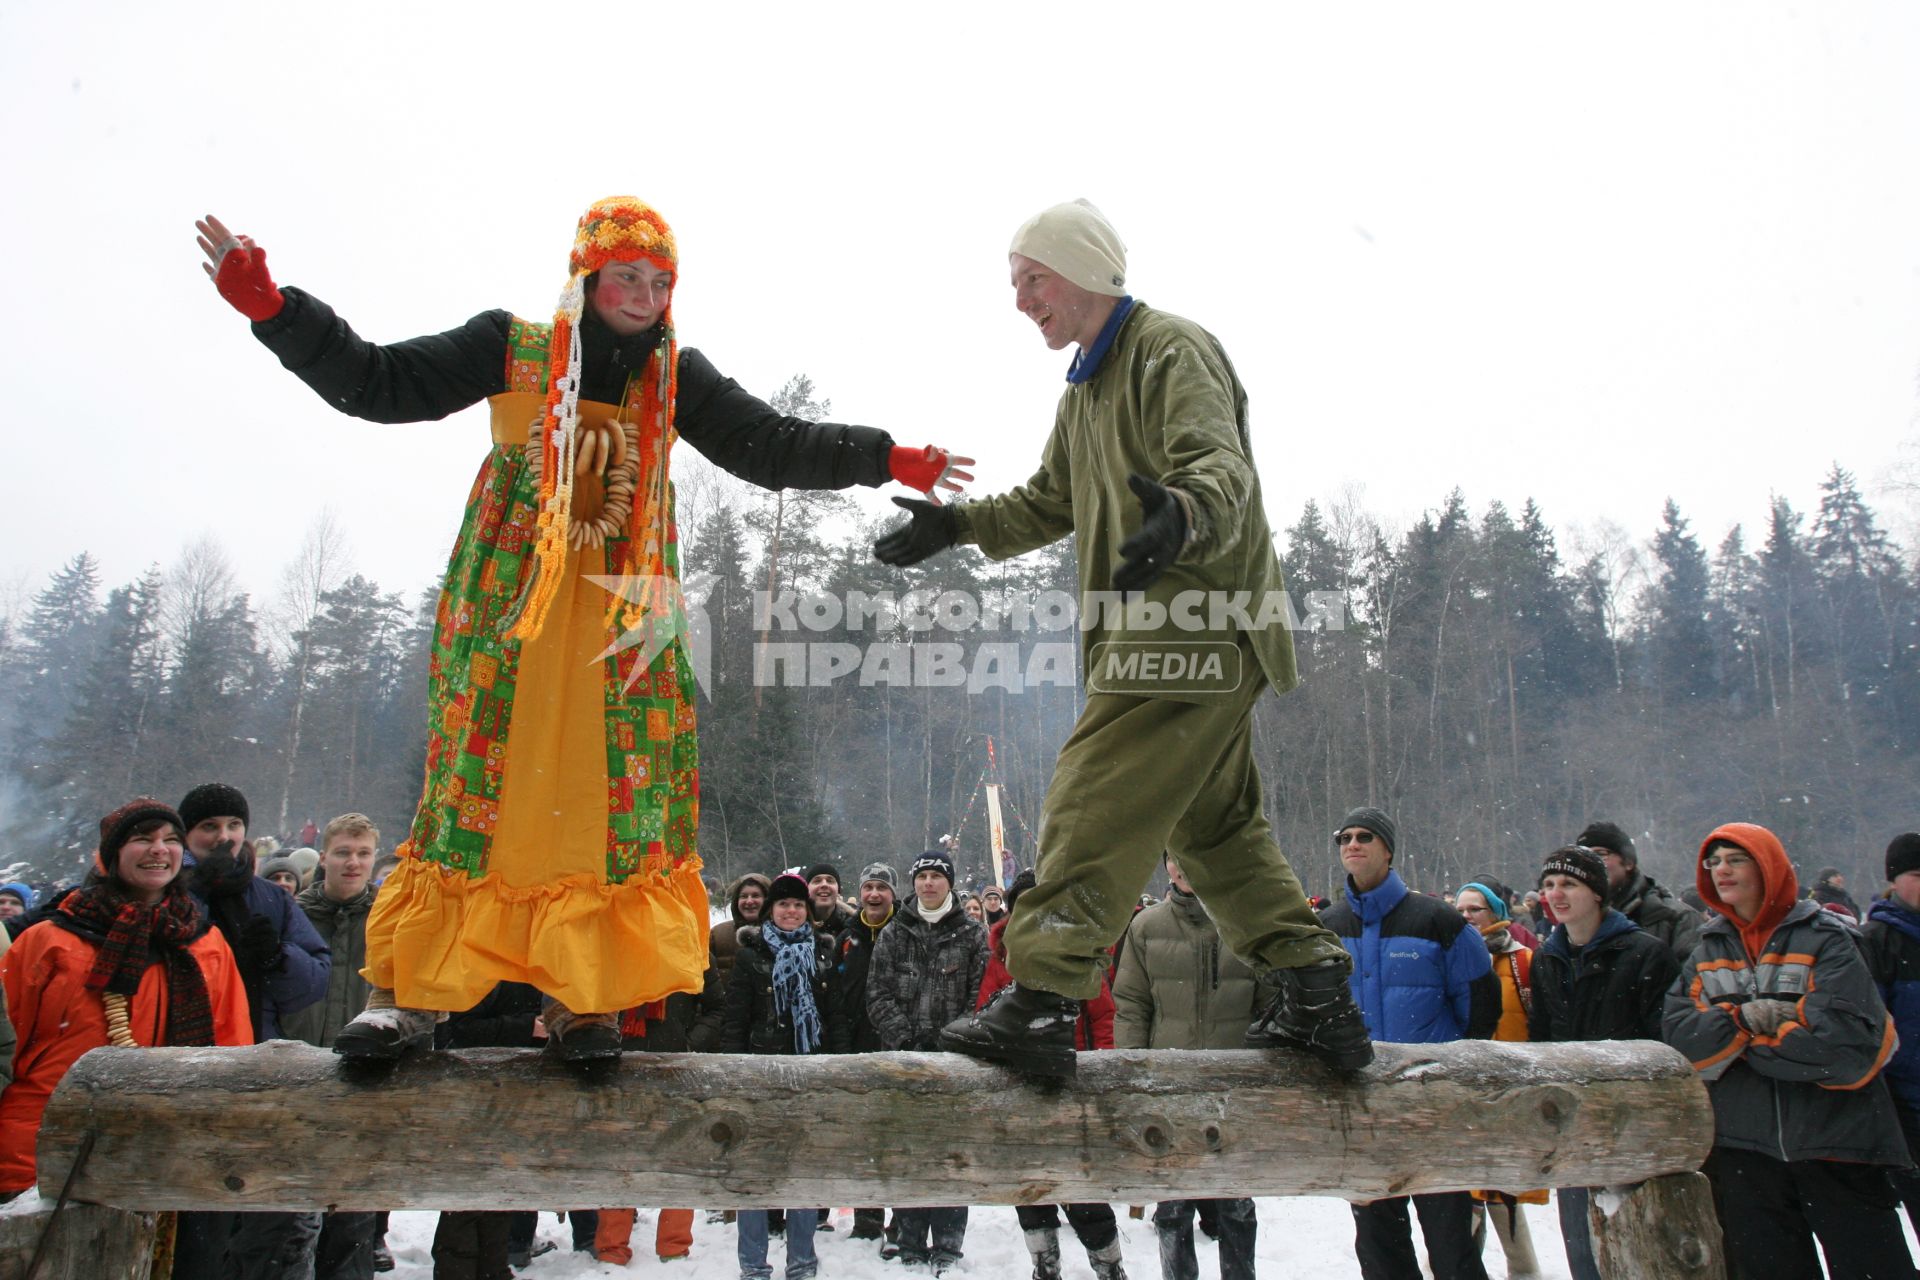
441,940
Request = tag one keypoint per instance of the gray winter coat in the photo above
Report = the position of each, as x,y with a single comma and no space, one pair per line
343,927
1177,986
923,976
1814,1090
1659,913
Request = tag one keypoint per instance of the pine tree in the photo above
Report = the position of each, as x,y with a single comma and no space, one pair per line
1683,666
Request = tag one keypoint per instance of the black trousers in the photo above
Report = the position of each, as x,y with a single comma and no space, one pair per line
1233,1226
471,1245
1771,1212
1906,1182
1383,1238
345,1248
927,1231
1093,1224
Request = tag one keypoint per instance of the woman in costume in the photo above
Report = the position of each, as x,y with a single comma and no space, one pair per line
555,841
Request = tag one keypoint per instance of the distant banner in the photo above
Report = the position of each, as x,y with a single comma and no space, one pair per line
996,836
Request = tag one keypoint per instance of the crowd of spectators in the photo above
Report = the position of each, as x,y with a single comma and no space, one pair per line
1800,1012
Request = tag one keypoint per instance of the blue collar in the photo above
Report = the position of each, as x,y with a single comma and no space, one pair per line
1378,902
1087,362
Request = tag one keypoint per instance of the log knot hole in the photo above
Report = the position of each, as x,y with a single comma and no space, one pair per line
234,1182
725,1129
1150,1135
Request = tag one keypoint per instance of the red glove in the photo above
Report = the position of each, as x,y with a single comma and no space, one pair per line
243,281
927,469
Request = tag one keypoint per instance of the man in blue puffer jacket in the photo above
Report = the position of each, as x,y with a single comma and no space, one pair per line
1892,946
1420,976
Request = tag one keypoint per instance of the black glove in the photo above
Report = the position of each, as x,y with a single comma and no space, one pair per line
932,529
259,949
1154,546
220,873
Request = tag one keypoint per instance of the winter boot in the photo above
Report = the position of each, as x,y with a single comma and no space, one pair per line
384,1031
1312,1008
1044,1244
1106,1262
1029,1030
581,1037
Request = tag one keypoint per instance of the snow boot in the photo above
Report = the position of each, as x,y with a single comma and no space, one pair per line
384,1031
1029,1030
1312,1008
1044,1244
581,1037
1106,1262
940,1262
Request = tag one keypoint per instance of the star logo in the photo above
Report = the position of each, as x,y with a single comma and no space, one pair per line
669,610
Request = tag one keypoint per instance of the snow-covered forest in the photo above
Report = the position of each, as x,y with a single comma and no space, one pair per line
1499,679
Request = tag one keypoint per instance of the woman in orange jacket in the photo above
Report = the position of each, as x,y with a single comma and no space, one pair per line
126,959
1487,909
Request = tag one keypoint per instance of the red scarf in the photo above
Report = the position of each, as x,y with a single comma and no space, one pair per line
127,934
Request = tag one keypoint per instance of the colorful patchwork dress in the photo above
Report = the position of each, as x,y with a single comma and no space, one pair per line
556,838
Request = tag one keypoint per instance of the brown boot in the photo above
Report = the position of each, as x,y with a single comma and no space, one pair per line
581,1037
384,1032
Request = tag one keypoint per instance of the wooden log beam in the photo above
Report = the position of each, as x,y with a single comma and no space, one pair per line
89,1242
286,1126
1663,1229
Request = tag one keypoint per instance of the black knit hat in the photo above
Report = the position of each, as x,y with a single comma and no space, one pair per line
117,826
1903,854
1371,819
1580,862
819,869
932,860
1609,836
787,884
213,800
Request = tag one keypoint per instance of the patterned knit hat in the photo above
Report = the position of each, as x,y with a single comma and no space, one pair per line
616,229
877,871
933,860
117,826
1582,864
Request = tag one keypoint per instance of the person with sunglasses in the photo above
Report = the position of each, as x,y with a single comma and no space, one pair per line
1420,976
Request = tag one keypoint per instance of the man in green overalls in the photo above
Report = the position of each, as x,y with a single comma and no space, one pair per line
1184,623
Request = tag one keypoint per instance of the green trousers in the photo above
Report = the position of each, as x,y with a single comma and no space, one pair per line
1140,776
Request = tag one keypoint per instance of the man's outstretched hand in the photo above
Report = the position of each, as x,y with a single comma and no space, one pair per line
238,268
929,470
1157,543
932,529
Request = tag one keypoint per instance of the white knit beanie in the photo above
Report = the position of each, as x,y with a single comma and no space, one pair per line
1078,242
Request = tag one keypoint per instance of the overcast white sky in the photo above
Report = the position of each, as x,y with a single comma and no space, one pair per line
1598,254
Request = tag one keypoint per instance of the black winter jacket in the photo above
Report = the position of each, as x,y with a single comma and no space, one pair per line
1615,989
923,976
1659,913
753,1024
852,962
430,377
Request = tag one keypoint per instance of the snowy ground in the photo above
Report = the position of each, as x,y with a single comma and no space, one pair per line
1302,1239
